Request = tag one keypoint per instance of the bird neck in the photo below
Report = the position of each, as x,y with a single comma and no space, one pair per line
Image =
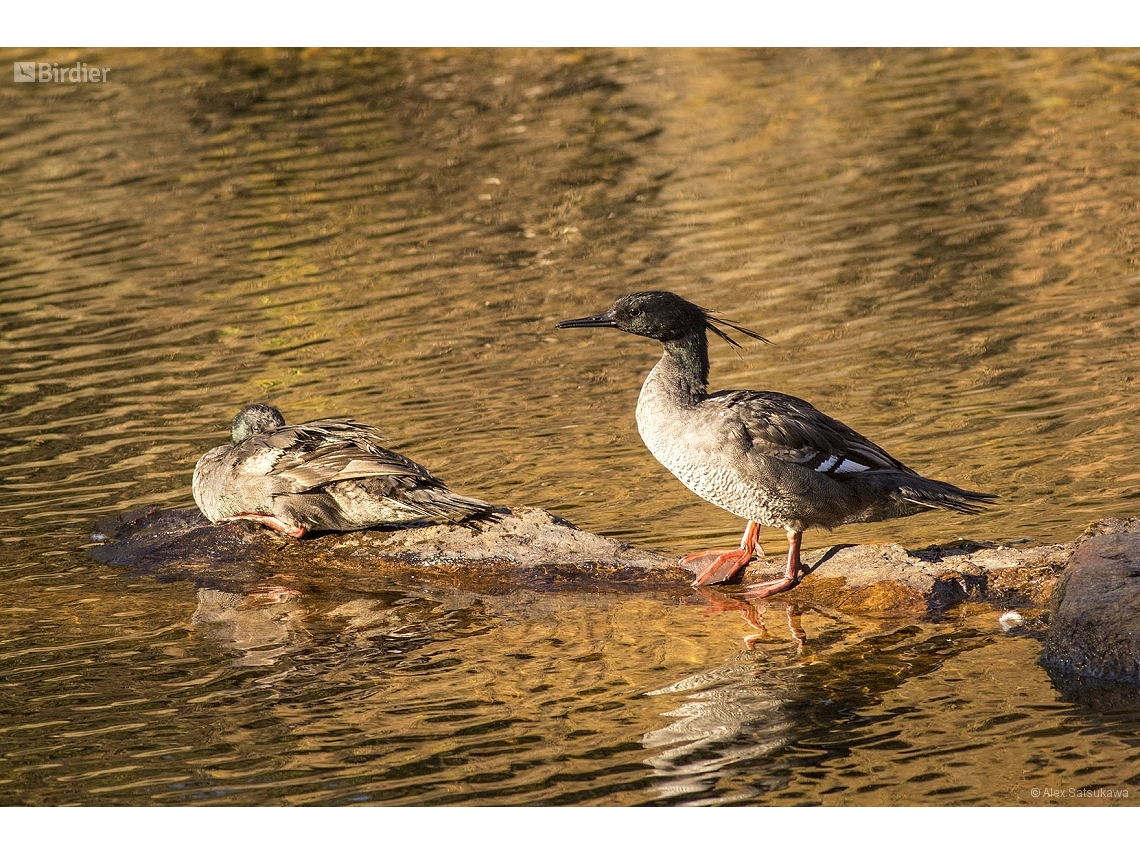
690,359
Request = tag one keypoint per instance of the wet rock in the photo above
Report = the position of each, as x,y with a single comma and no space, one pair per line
1094,630
533,550
889,580
529,548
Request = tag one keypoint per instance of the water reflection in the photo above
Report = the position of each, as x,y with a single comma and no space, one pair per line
259,627
753,610
727,720
748,731
732,716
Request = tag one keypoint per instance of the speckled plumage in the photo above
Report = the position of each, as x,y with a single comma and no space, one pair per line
770,458
327,475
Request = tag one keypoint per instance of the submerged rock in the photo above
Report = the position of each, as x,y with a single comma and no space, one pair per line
1094,630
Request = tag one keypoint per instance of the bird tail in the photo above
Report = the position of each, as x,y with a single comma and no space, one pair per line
943,496
455,508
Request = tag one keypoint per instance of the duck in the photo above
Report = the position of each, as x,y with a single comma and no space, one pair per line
320,476
772,459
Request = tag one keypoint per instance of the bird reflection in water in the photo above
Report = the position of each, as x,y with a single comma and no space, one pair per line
259,625
752,609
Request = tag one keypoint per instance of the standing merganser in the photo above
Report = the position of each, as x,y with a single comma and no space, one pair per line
770,458
327,475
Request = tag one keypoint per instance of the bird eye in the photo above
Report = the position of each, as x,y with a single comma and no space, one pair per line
634,312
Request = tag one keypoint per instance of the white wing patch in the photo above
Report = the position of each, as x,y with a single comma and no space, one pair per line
839,465
827,464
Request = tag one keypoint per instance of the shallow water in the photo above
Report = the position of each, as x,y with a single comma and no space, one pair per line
943,247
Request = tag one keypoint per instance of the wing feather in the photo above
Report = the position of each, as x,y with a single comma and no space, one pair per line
317,453
793,430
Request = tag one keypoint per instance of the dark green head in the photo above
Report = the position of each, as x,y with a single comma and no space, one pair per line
255,419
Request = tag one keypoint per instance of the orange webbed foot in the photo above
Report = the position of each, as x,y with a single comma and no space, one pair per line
714,566
791,576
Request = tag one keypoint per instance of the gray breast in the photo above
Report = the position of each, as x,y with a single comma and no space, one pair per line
707,449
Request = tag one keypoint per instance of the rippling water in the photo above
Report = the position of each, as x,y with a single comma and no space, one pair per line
943,247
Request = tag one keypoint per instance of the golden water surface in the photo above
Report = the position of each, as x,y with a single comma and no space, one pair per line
942,246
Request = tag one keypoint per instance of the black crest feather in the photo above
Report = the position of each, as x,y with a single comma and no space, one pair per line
711,322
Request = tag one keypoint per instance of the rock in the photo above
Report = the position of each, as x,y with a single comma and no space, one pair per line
533,550
1094,630
889,580
527,549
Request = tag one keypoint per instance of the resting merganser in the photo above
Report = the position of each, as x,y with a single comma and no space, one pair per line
327,475
770,458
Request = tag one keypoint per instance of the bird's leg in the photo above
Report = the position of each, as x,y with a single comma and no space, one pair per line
272,522
726,564
791,574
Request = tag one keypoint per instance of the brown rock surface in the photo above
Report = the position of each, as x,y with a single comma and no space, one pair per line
1094,630
526,549
530,549
887,579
